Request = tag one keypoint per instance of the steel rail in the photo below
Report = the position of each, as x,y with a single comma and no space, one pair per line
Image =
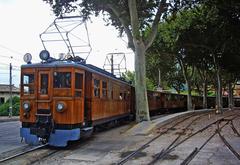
22,153
128,157
228,144
164,152
168,149
172,148
197,150
194,120
204,128
234,129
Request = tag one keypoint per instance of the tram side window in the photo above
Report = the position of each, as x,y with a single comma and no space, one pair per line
62,80
112,94
78,84
110,91
96,88
125,95
158,97
120,96
44,84
168,97
104,89
28,84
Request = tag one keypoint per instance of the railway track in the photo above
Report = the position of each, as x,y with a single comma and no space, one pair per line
173,145
29,156
176,142
218,131
216,125
131,155
23,154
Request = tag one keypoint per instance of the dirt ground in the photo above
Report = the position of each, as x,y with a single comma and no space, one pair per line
109,147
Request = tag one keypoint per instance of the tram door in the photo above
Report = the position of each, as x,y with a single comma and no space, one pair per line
88,96
43,90
79,93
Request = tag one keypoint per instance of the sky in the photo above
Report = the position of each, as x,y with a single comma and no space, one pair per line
23,20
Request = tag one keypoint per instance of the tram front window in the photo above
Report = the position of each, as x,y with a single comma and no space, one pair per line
62,80
28,83
44,84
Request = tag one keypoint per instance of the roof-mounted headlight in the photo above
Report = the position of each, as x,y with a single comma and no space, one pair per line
27,58
44,55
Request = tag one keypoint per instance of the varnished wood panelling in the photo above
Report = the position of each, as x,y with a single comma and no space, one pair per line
65,117
43,105
63,92
78,110
108,108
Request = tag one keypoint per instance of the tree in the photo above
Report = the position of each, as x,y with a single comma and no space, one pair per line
204,37
170,43
175,79
4,108
132,17
130,77
216,35
159,58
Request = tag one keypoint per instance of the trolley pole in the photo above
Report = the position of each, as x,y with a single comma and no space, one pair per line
10,92
112,69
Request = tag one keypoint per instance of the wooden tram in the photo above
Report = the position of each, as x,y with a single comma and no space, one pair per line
62,100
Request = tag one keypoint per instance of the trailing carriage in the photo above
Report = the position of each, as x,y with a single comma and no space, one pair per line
64,99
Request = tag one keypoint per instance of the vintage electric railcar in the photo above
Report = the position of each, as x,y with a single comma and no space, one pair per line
63,100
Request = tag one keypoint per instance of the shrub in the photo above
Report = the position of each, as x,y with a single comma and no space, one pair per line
4,108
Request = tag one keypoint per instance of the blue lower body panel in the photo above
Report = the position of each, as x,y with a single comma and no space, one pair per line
59,138
29,138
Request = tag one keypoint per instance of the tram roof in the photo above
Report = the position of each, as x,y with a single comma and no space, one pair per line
70,63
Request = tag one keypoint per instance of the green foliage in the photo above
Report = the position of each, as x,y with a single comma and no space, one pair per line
150,84
175,80
165,50
130,77
211,93
4,108
115,13
210,28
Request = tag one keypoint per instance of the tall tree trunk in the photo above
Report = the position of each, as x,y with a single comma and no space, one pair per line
203,76
219,86
189,96
230,96
142,109
140,46
233,87
205,94
219,91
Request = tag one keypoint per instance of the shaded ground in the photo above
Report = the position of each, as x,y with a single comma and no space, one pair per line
108,147
10,136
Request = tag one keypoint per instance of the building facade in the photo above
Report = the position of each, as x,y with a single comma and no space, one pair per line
5,92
